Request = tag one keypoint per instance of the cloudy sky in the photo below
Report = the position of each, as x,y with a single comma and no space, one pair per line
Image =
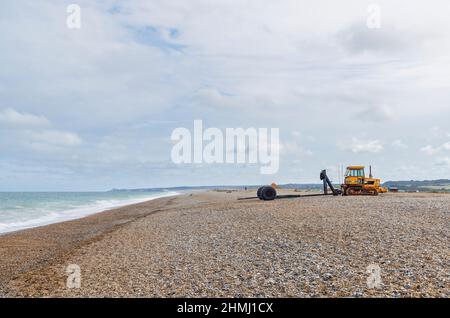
94,108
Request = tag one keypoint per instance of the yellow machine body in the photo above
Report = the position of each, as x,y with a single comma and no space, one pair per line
356,182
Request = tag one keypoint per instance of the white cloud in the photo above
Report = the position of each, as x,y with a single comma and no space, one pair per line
32,130
375,114
429,150
359,39
357,145
398,143
444,161
211,98
446,146
294,149
55,138
15,119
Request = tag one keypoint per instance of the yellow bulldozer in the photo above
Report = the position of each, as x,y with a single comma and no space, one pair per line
356,183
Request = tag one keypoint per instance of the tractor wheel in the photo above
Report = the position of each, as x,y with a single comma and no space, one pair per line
351,191
258,193
268,193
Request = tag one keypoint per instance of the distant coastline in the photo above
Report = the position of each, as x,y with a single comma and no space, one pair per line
439,185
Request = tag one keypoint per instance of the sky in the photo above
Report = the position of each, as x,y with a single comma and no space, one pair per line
94,108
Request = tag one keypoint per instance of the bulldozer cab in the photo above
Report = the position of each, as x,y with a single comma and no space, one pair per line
354,175
355,171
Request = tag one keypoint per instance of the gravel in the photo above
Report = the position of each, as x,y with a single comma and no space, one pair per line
211,245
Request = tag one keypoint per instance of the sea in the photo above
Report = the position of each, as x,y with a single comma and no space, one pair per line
22,210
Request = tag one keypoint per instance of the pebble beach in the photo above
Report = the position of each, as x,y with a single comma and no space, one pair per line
210,244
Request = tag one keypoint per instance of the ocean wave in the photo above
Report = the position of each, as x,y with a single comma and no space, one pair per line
46,217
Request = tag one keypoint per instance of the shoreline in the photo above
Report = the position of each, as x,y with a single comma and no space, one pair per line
209,244
78,213
39,246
